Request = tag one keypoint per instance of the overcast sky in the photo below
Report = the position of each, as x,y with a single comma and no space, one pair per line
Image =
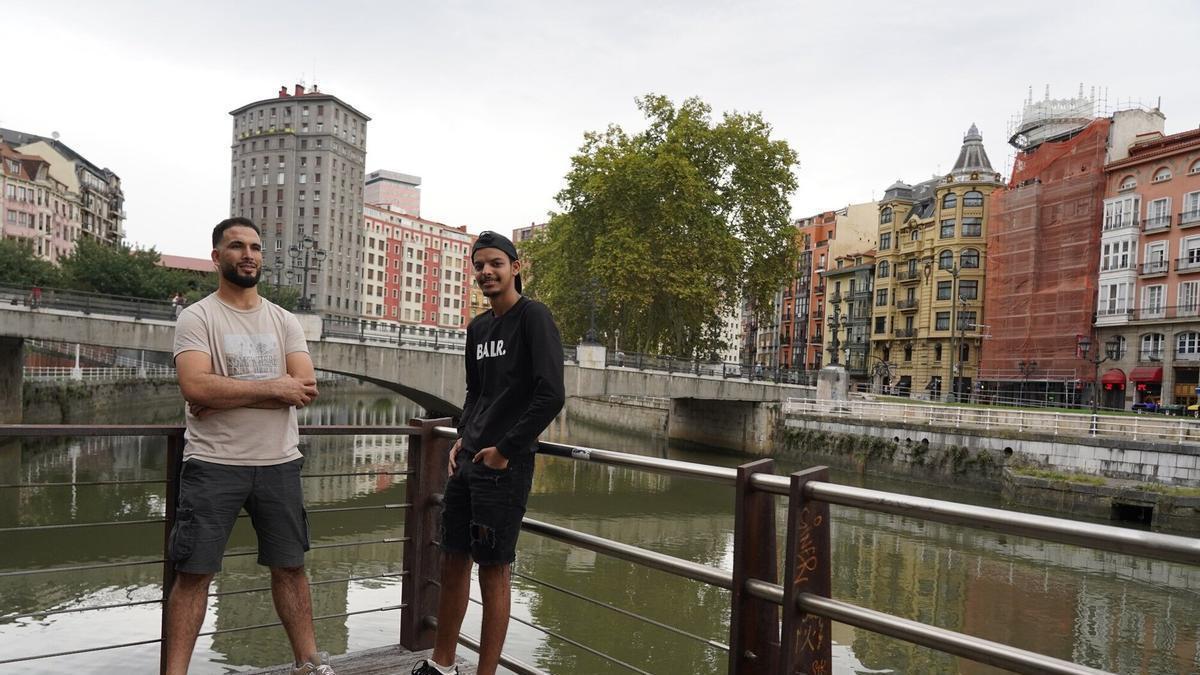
487,101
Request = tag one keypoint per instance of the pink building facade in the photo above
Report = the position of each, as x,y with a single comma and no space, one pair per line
1150,272
36,207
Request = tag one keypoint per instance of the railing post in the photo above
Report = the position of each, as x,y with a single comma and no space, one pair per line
171,499
806,643
427,458
754,623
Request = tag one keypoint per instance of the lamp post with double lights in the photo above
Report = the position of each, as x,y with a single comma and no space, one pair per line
275,274
306,257
1112,350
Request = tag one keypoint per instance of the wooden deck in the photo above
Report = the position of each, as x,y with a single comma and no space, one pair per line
381,661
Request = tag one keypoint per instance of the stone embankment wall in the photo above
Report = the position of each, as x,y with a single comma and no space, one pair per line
614,413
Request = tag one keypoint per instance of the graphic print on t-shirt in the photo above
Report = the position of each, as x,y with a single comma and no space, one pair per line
252,357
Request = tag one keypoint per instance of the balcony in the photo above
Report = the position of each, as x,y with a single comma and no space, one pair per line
1156,224
1189,219
1150,355
908,276
907,305
820,288
905,332
1173,312
1187,265
1155,268
1120,223
836,298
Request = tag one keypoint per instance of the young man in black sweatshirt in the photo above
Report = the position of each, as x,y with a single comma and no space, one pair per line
514,390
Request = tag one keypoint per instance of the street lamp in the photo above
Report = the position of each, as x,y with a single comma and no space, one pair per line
1112,350
306,257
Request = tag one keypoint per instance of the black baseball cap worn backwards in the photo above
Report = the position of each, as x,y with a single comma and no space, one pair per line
489,239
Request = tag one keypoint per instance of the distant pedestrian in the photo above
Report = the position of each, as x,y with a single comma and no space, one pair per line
243,368
178,302
514,390
35,297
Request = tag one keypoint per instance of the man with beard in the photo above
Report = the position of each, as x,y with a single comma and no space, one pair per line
515,388
244,368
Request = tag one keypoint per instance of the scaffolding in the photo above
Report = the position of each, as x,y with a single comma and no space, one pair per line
1043,259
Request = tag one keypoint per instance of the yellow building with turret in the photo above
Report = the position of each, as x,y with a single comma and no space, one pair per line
929,277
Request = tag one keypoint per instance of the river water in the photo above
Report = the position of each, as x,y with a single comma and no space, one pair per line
1105,610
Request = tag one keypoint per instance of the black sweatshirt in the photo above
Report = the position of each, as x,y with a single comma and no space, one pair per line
514,379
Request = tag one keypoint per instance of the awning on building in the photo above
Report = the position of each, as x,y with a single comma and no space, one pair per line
1114,376
1146,374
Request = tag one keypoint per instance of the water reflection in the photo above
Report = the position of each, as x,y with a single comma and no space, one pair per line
1106,610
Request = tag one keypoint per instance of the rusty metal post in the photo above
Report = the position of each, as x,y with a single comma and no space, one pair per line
427,457
171,498
807,646
754,623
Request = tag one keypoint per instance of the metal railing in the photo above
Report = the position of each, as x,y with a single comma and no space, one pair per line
757,644
1159,429
36,297
727,370
113,374
1156,223
1155,267
760,641
383,332
1189,218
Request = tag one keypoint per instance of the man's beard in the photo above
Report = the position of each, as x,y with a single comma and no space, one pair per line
231,274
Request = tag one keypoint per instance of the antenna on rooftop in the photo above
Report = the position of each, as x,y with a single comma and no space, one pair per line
55,135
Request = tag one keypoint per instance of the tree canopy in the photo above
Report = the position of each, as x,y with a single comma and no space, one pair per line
668,229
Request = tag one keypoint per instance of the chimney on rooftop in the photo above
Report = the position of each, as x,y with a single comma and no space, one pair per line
299,90
283,92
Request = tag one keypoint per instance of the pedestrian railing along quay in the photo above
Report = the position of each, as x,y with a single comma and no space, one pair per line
110,374
383,332
775,627
1148,428
89,303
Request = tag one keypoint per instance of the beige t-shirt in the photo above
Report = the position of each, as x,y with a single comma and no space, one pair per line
247,345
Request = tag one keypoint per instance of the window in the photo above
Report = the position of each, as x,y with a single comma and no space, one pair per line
1122,212
968,289
885,239
881,297
946,260
1152,347
1156,258
279,178
884,269
303,178
1158,213
1163,174
885,216
947,229
1191,208
1152,301
966,321
973,198
942,321
944,290
1189,298
1115,298
1127,183
937,352
969,258
949,201
1116,255
1188,344
972,227
915,235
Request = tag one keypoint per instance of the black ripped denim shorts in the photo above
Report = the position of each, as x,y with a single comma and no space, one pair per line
483,509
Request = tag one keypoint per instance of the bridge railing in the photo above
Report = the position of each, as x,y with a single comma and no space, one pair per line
774,627
1153,428
382,332
36,297
710,368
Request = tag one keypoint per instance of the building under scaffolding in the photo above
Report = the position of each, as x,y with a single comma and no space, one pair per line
1044,249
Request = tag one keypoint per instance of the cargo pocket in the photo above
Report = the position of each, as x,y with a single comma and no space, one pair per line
183,536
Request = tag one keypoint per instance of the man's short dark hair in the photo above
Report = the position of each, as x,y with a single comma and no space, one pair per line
219,230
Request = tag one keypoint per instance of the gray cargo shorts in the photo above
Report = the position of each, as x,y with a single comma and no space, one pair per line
211,496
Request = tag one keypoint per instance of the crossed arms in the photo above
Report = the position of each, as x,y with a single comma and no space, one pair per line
207,392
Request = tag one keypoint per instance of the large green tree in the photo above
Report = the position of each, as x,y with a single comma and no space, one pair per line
118,270
20,267
664,231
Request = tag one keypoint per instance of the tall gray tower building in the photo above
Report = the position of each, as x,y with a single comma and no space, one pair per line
297,171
